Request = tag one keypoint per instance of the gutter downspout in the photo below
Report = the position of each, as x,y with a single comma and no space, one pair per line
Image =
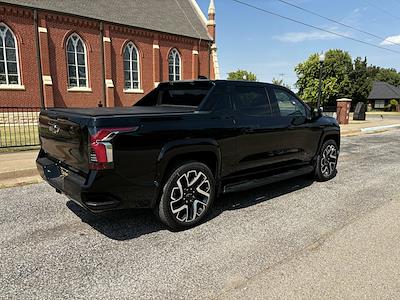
38,60
103,69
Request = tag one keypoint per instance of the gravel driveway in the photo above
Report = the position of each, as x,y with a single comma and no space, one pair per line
51,249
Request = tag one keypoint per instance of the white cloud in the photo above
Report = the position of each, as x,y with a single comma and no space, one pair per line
391,39
297,37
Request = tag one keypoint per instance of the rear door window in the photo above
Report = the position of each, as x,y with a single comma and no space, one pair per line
218,99
252,101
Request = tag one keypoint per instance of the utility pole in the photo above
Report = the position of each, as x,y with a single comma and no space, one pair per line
321,65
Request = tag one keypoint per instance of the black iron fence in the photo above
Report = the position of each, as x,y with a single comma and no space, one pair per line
19,126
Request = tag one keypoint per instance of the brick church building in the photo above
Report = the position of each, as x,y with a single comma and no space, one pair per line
78,53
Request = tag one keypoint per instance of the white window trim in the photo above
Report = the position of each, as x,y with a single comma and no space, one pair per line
9,86
78,87
12,87
134,48
133,91
176,52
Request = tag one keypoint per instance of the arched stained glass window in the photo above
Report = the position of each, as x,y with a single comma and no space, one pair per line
76,61
131,67
9,65
174,65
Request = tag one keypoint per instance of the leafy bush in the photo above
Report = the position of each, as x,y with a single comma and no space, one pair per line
392,105
242,75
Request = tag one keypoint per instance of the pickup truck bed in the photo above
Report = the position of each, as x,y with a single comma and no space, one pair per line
123,111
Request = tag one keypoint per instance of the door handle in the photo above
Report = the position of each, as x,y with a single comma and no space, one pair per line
248,130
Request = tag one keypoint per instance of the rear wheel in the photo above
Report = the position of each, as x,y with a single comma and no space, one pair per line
327,161
187,196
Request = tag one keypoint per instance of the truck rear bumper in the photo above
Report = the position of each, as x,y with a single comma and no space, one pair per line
77,187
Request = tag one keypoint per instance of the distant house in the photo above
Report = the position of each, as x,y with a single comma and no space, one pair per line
382,93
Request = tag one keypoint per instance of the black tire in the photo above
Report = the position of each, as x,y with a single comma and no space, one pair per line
182,193
327,161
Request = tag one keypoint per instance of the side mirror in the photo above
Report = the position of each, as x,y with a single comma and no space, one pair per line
315,113
299,120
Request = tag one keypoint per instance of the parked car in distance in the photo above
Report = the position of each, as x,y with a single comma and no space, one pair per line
182,145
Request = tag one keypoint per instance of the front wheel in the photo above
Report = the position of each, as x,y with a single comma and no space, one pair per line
327,161
187,196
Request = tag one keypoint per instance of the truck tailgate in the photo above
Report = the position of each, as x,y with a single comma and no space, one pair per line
65,138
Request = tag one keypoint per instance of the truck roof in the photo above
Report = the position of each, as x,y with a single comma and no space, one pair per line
216,81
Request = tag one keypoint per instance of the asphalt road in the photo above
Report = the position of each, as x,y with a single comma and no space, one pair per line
50,248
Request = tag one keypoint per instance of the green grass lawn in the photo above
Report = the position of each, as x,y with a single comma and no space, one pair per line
18,135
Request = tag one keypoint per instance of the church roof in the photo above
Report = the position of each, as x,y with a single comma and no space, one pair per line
180,17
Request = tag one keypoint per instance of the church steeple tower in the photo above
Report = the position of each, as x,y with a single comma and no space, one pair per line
211,20
211,32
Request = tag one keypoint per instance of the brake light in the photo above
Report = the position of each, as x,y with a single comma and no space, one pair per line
101,148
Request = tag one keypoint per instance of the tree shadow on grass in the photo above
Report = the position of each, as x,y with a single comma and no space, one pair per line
130,224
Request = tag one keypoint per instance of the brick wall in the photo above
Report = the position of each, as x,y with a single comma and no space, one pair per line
54,30
59,29
20,21
143,41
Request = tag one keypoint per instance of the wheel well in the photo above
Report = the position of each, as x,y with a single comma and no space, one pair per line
334,137
208,158
205,157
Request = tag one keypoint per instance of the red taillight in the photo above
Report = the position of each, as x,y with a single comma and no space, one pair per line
101,148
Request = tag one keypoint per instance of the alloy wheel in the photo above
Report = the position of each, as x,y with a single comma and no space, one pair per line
190,196
329,160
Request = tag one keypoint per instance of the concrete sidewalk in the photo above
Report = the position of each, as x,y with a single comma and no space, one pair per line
19,167
375,124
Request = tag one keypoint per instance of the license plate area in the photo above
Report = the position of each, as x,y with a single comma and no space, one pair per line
52,171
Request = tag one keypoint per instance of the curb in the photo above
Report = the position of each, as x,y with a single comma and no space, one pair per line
380,128
21,181
353,132
376,129
18,174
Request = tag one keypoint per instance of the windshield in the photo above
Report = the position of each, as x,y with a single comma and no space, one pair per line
177,94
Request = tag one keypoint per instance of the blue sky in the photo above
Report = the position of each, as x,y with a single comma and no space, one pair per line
270,46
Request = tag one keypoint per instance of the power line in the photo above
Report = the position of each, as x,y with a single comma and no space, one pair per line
337,22
314,27
382,10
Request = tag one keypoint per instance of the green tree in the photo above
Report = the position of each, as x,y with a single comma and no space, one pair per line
242,75
373,71
361,81
336,83
390,76
280,82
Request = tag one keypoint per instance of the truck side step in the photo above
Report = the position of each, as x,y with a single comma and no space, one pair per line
253,183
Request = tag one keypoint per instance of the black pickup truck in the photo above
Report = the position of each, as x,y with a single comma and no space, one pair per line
182,145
